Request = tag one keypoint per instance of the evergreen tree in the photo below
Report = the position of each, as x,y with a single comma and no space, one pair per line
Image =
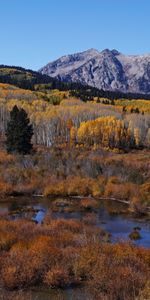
19,132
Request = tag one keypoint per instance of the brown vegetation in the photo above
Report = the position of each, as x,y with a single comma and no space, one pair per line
79,151
63,171
63,253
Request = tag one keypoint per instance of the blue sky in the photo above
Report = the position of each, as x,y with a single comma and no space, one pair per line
35,32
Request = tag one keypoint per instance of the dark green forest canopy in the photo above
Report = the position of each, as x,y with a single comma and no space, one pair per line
32,80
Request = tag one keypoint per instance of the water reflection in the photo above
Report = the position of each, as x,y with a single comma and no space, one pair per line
111,216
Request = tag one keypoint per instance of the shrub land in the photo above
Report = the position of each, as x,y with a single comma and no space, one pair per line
63,253
72,141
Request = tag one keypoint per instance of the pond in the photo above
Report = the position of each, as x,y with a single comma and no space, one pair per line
111,216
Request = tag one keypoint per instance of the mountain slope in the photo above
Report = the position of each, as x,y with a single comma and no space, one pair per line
107,70
22,77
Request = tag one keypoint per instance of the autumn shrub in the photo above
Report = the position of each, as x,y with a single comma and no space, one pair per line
55,188
17,270
145,192
77,186
123,191
57,277
21,181
145,293
74,226
118,277
5,187
6,240
88,204
61,253
137,205
73,186
113,180
6,158
72,172
27,187
45,252
69,255
85,260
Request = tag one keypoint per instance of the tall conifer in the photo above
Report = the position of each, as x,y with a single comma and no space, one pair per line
19,132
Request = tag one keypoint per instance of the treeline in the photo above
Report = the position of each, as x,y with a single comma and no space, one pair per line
87,93
28,79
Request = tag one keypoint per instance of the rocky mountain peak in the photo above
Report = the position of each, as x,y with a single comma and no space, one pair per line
107,70
115,52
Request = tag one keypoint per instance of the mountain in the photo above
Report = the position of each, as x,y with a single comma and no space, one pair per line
107,70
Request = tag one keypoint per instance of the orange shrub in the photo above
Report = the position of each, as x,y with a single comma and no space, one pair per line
18,270
73,186
121,191
5,188
137,205
71,225
55,188
65,252
115,271
57,277
6,240
6,158
88,204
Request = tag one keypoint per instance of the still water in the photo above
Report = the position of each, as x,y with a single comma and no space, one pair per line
111,216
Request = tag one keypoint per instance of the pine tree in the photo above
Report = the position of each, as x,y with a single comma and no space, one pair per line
19,132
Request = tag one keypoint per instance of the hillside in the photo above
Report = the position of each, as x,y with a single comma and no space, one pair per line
35,81
24,78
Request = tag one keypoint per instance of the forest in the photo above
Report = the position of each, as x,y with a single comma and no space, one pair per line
31,80
89,145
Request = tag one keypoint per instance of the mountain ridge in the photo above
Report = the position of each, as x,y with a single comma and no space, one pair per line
107,70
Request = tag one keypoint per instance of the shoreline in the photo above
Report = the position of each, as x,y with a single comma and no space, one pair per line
72,197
